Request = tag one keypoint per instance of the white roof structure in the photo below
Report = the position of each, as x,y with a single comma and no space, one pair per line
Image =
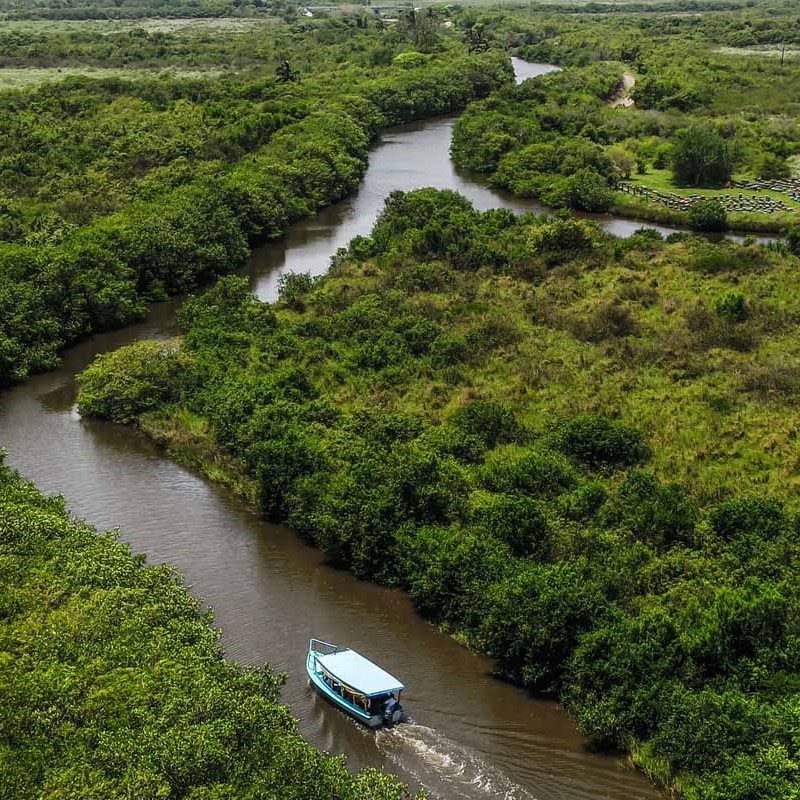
359,673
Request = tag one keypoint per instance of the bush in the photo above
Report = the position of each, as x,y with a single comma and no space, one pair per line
708,215
659,514
448,570
535,472
517,520
710,330
743,516
609,320
561,240
293,287
541,609
589,191
493,423
732,305
142,377
793,241
705,729
596,441
773,168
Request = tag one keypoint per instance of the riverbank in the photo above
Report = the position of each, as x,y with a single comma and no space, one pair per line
113,677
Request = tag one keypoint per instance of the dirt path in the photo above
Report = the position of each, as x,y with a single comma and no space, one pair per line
623,99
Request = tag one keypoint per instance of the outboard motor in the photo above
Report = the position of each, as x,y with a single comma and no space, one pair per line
392,711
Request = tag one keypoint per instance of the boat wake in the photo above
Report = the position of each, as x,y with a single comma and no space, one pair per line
442,765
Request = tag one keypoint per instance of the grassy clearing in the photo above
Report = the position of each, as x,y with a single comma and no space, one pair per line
27,77
661,180
768,51
709,410
105,27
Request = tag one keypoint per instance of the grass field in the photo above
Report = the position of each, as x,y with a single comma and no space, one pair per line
108,26
26,77
770,51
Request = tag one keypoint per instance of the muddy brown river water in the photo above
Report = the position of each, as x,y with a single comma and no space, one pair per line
471,736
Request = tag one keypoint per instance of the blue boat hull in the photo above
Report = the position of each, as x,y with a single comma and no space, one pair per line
374,721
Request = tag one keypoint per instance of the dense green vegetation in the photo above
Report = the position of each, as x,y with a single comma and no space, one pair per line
575,452
113,683
114,192
705,115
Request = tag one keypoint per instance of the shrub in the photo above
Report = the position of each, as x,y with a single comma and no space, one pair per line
705,728
663,156
708,215
775,378
793,241
492,422
711,330
596,441
411,59
584,502
542,609
123,385
589,191
517,520
732,305
774,167
609,320
449,569
536,472
561,240
751,515
293,288
660,514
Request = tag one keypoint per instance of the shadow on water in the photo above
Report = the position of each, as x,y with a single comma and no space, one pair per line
472,736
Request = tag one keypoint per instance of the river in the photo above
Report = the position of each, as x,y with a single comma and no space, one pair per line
472,736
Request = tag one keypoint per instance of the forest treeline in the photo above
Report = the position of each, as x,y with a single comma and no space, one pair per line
160,186
113,682
559,443
583,33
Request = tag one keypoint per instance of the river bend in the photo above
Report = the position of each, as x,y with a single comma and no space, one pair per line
472,736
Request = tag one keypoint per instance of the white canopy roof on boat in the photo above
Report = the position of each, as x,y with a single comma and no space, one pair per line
359,673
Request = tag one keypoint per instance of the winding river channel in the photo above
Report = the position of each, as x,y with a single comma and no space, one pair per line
472,736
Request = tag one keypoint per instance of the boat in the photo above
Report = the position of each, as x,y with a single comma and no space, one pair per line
355,684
